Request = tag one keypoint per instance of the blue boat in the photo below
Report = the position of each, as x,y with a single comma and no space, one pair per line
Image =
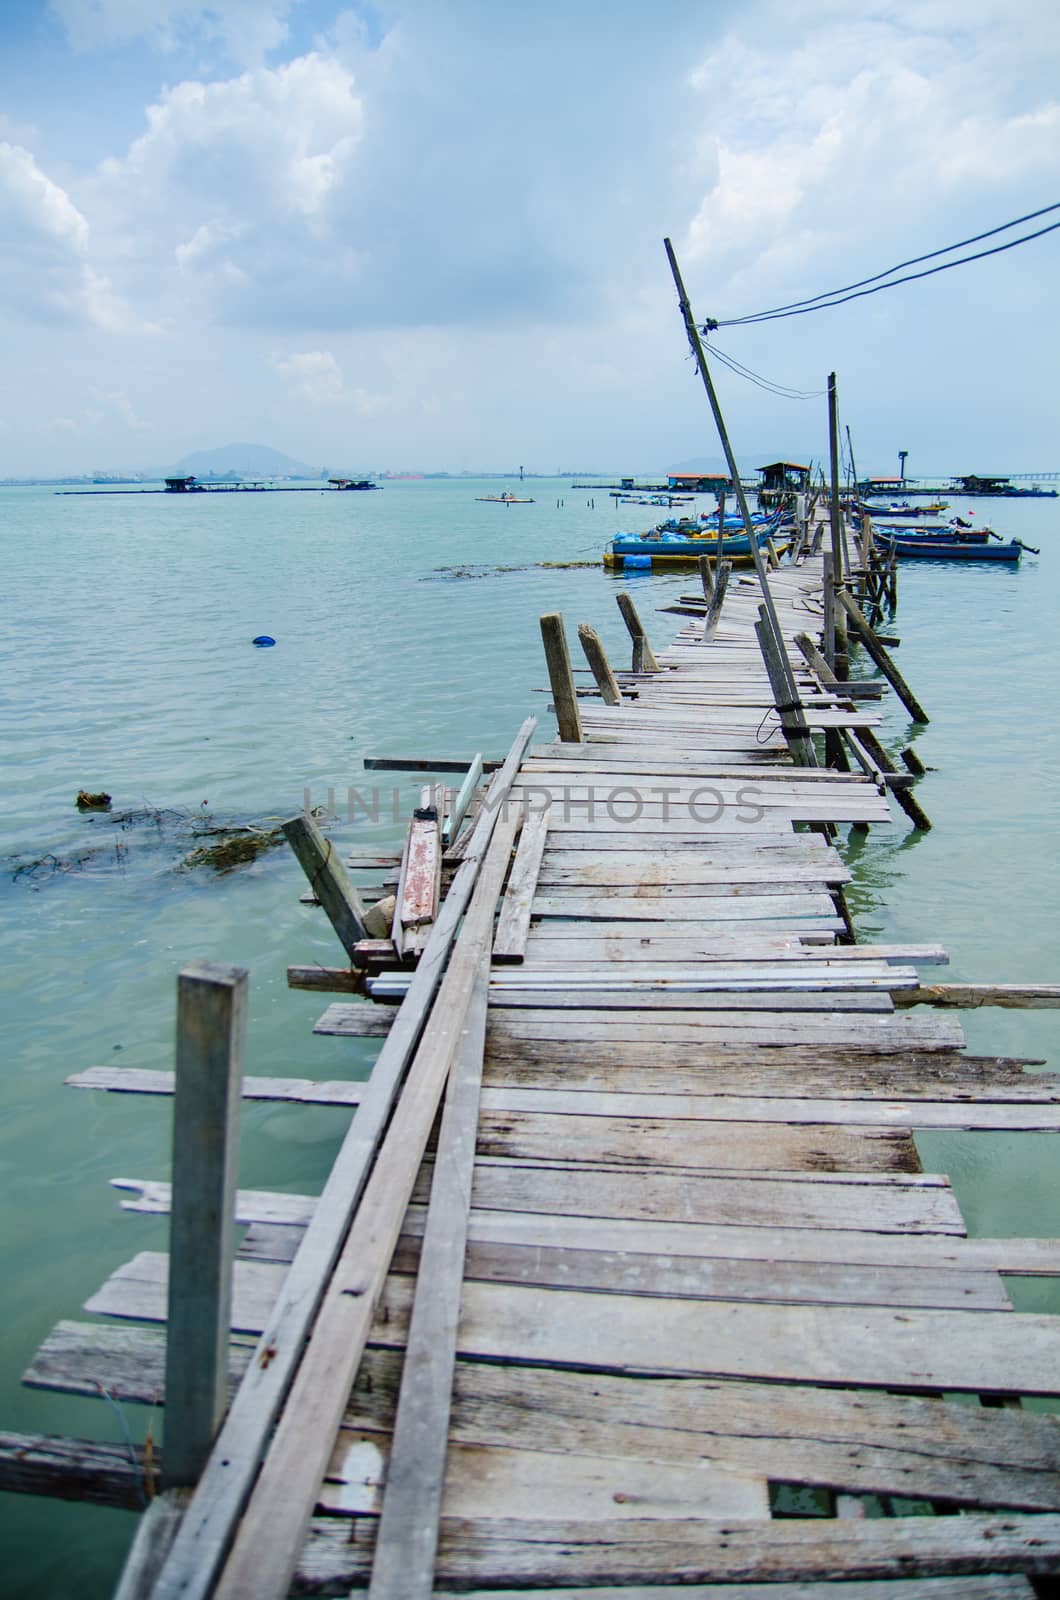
948,549
682,543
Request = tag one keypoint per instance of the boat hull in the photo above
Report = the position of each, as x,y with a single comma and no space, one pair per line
950,550
686,552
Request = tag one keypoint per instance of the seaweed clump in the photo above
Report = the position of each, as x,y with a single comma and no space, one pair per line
236,848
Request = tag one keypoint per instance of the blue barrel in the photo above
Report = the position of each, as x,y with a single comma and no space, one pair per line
636,563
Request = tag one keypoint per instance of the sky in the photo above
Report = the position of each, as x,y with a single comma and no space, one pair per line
427,234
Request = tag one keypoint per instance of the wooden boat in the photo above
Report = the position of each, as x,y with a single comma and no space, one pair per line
504,499
953,549
903,509
682,543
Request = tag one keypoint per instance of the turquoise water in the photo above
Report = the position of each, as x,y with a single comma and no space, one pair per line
126,665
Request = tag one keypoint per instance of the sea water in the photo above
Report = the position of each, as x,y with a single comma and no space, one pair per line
406,623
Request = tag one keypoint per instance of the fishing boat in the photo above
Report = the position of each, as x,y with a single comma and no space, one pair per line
953,549
681,542
504,499
903,509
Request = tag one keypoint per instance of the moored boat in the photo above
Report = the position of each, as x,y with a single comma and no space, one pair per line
682,542
953,549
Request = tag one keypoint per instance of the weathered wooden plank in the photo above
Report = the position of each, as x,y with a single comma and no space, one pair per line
965,1115
670,1142
77,1469
686,868
261,1559
596,905
139,1289
507,1481
679,995
220,1496
869,1203
498,1553
967,996
144,1080
418,901
513,924
451,824
345,980
849,1072
885,1033
860,1440
251,1205
403,1563
547,1260
327,879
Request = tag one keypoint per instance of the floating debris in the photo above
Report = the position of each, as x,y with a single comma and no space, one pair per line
92,802
263,641
474,571
185,839
237,848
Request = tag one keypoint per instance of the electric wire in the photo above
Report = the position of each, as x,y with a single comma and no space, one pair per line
782,391
855,291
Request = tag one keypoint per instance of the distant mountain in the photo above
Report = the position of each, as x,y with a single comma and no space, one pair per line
246,460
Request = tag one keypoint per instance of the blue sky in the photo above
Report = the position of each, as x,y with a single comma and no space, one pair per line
429,235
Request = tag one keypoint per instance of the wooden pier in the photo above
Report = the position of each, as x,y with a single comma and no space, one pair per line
662,1297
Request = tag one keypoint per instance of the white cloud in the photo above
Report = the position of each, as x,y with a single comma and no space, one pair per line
863,119
45,272
313,376
36,209
246,30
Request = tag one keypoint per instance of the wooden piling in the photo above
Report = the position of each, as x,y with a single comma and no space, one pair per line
636,632
327,879
881,658
211,1027
596,656
835,514
706,577
792,718
710,622
561,678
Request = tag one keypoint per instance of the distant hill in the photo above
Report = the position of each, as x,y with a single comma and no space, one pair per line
246,460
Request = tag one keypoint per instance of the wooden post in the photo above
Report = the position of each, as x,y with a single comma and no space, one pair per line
792,719
636,632
839,662
714,609
706,577
882,659
596,656
696,346
561,678
816,660
456,816
328,880
721,528
211,1026
828,596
